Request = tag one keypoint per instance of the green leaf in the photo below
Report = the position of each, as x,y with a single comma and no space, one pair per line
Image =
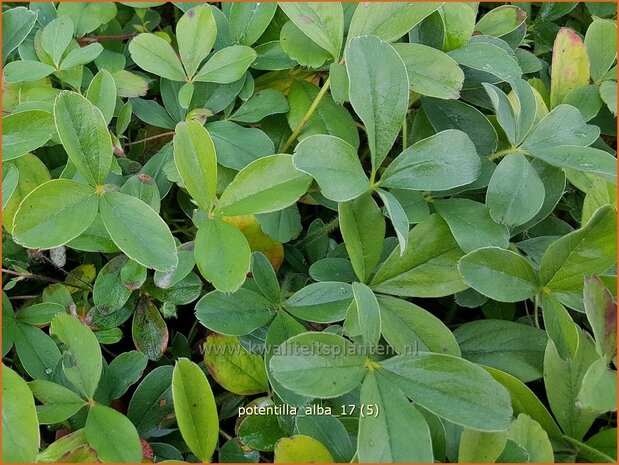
489,58
226,65
331,432
59,402
234,314
16,25
570,65
26,70
328,118
560,327
601,311
56,36
88,16
501,20
455,114
235,369
405,326
433,164
84,135
301,449
125,370
590,249
448,386
604,443
598,392
151,407
363,229
427,268
324,302
54,213
601,44
334,164
37,352
265,185
196,32
500,274
380,438
109,292
237,146
196,162
25,131
524,401
81,56
153,54
368,314
471,224
481,446
112,435
323,23
102,93
378,92
126,218
222,254
430,71
608,93
459,23
301,48
564,125
584,159
515,193
265,277
389,22
318,365
149,331
195,409
20,428
563,379
249,20
517,349
82,362
10,180
398,217
529,434
260,105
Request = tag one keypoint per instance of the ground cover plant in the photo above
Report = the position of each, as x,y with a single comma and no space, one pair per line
309,232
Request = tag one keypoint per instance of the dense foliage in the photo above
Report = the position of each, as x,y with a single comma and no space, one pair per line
368,232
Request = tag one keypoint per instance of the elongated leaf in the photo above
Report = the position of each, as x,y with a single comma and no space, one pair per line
151,405
10,180
560,327
196,32
266,185
222,254
260,105
265,277
500,274
321,22
26,70
59,402
16,25
84,135
82,362
590,249
300,448
531,436
427,268
102,93
334,164
155,55
378,439
324,302
601,311
20,428
378,92
489,58
515,193
584,159
398,217
235,314
149,330
391,21
237,146
195,409
234,368
481,446
25,131
363,229
430,71
195,159
81,56
249,20
368,314
433,164
423,378
112,435
318,365
126,218
227,65
471,224
54,213
601,44
570,65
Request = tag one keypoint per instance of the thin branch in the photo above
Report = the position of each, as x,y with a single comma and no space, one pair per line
163,134
92,39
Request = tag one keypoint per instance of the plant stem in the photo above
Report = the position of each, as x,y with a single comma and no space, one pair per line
588,452
308,114
536,311
92,39
502,153
42,278
163,134
404,134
